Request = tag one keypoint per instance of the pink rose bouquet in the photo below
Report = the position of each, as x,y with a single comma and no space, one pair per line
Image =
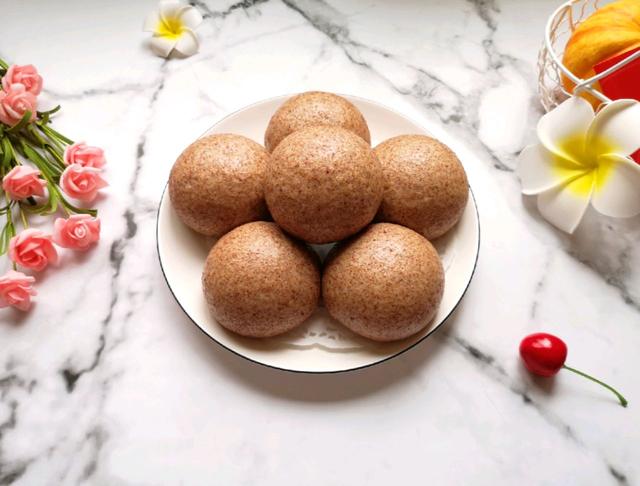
22,182
32,248
82,183
17,104
78,232
82,154
40,171
27,76
16,290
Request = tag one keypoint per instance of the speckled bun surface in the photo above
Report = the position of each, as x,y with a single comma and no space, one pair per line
312,109
385,283
323,184
259,282
217,183
426,187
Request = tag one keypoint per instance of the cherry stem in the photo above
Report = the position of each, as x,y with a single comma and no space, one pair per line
623,400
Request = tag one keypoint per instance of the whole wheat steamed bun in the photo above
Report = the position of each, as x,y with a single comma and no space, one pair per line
312,109
259,282
217,183
385,283
426,187
323,184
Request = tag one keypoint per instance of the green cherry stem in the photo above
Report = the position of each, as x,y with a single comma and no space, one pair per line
623,400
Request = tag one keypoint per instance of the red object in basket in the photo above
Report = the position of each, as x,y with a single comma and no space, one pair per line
623,83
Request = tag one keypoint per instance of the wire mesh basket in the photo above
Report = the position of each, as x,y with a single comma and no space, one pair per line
560,26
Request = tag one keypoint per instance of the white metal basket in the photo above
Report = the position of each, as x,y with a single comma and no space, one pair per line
550,68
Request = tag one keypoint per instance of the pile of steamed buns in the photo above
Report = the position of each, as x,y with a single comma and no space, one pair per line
320,181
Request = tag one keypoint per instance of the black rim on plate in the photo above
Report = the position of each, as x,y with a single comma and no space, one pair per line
346,370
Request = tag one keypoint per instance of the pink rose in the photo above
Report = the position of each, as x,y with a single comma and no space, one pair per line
27,76
32,249
15,103
23,181
82,154
16,290
82,183
78,232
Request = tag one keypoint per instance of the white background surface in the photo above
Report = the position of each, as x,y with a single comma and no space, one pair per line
107,382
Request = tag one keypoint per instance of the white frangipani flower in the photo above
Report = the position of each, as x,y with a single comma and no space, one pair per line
173,27
583,157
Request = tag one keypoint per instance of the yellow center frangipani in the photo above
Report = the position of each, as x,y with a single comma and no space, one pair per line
170,27
581,163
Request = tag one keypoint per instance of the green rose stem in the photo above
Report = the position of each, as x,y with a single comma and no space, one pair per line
9,230
44,115
8,156
58,140
55,150
25,223
56,135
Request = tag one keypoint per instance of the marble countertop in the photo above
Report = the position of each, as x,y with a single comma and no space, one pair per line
107,382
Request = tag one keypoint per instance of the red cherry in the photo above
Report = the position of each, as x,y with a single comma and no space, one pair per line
543,354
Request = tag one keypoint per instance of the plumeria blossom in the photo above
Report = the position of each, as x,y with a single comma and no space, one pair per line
173,28
584,158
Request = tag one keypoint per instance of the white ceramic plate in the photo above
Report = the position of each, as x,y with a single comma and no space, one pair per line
321,345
